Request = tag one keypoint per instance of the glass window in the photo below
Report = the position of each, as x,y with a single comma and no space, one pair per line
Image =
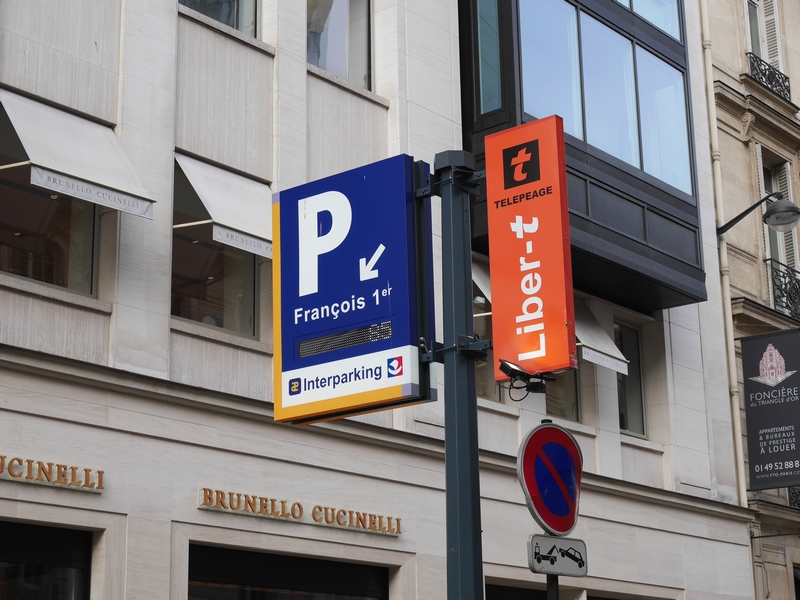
45,236
665,146
338,38
239,14
629,387
485,385
562,395
549,28
226,574
610,88
632,104
489,50
661,13
755,33
212,283
44,563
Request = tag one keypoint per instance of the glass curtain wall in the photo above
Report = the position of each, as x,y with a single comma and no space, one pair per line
611,91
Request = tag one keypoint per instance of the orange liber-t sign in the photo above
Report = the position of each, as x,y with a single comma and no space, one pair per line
533,315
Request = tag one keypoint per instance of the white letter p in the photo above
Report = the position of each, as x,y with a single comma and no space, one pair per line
312,243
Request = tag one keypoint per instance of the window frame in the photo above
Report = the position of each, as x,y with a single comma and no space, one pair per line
370,75
639,335
775,59
97,211
256,18
256,265
641,34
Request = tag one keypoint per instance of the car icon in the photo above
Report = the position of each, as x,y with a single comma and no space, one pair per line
573,555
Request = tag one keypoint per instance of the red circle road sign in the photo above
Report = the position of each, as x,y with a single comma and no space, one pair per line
549,466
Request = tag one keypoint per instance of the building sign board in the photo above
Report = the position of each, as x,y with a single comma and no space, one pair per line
345,309
551,555
253,505
42,472
533,322
771,369
549,467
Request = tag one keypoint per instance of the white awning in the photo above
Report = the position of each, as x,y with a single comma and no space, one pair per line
240,208
73,156
594,343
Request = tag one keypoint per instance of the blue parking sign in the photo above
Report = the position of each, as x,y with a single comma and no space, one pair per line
345,308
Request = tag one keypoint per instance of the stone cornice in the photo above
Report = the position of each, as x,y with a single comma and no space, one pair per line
759,109
751,318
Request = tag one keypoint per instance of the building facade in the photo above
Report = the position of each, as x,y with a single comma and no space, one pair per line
755,58
140,143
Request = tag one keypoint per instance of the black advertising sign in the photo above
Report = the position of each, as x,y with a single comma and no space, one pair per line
771,366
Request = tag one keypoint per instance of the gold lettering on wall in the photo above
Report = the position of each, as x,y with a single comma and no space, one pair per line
39,472
288,510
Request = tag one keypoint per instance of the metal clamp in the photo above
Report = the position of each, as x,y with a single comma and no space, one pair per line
474,347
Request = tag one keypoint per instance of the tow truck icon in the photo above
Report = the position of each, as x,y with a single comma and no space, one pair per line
552,555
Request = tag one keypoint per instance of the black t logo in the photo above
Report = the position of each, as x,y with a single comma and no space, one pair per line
521,164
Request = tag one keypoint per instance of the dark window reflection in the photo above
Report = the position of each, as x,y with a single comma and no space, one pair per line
220,591
45,236
239,14
212,283
26,581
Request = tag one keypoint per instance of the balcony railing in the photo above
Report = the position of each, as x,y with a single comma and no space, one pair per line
767,75
785,288
794,496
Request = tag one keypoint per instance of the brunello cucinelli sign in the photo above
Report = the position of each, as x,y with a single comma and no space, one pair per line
30,470
298,512
770,365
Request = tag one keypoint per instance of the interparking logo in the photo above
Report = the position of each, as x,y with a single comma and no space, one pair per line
394,367
294,386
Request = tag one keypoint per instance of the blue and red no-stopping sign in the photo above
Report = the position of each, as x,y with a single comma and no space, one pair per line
549,467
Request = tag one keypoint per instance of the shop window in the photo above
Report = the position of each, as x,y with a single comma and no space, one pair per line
629,387
796,573
45,236
239,14
338,39
612,92
501,592
212,283
44,563
221,574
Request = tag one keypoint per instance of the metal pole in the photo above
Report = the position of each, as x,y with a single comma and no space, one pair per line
552,587
464,556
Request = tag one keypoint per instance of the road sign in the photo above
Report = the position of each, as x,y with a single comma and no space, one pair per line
345,308
533,320
557,555
549,466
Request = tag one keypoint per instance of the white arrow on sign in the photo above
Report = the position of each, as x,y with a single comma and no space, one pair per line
366,269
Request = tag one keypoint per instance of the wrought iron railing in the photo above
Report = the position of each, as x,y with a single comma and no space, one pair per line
767,75
785,288
794,497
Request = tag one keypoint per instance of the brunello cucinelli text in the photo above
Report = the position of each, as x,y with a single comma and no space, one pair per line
31,470
300,512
